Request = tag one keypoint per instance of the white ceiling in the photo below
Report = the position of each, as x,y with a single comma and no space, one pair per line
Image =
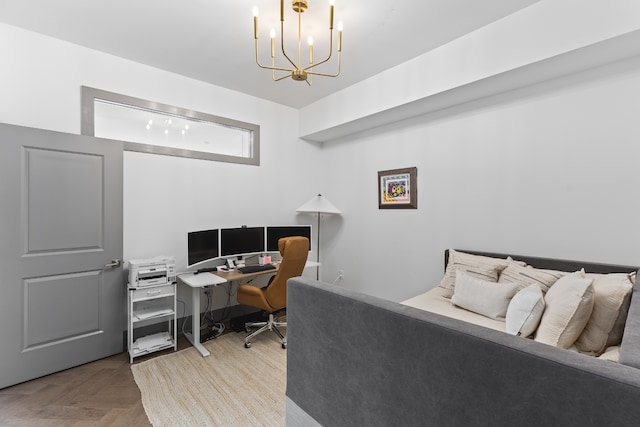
212,40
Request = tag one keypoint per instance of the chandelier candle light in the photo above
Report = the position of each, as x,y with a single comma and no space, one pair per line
298,72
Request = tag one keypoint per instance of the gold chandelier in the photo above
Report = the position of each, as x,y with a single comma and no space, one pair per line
298,71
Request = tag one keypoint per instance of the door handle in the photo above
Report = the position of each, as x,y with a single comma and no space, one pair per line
115,263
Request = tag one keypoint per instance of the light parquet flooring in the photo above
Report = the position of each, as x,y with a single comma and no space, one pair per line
100,393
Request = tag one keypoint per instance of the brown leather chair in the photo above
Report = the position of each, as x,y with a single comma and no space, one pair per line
273,297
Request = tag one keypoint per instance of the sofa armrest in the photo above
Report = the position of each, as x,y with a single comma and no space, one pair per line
630,347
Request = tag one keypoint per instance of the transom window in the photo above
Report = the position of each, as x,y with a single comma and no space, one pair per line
151,127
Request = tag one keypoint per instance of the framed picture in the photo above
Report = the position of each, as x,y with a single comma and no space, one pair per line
398,189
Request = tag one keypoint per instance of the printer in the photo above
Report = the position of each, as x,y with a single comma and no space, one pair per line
160,270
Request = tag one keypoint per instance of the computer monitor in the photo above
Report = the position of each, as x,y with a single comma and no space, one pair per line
276,233
202,246
241,241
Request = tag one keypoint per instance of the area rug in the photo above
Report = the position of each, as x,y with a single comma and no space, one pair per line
234,386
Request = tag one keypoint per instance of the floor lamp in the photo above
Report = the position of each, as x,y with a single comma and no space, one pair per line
318,205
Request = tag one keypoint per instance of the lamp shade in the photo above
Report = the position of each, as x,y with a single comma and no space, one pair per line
319,204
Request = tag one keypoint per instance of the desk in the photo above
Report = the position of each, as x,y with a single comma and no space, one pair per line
198,281
233,275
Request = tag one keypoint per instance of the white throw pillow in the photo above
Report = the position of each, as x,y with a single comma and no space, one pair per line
489,299
612,354
525,311
569,303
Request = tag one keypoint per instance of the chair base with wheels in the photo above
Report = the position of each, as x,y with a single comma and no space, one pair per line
272,324
273,298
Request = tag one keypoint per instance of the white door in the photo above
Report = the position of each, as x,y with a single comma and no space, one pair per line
61,284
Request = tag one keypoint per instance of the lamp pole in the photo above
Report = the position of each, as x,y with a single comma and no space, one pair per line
318,250
318,205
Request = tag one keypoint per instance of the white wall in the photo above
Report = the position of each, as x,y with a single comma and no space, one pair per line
164,197
549,170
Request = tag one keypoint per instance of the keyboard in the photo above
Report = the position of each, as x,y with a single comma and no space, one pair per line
256,268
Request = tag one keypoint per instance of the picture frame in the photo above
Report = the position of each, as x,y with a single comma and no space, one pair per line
398,188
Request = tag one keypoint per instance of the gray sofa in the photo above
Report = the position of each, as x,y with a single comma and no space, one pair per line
354,359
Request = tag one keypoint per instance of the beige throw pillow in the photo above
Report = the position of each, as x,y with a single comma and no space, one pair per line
569,303
611,291
525,311
489,299
526,275
480,267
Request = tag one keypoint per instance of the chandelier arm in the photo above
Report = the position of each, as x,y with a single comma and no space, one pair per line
326,74
327,58
281,78
288,70
273,72
315,64
268,67
299,32
295,67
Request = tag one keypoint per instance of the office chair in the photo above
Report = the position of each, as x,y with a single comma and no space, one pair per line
273,297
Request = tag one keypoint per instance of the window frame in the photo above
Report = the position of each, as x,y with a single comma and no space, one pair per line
90,95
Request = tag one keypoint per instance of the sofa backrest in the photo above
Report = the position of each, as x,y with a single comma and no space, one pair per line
354,359
553,263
